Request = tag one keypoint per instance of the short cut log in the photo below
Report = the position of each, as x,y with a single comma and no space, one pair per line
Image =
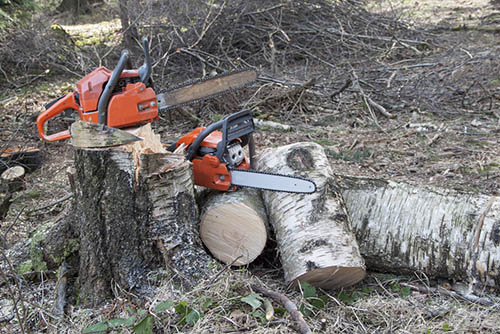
315,242
444,233
233,225
12,179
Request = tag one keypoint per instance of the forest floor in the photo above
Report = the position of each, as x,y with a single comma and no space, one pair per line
448,136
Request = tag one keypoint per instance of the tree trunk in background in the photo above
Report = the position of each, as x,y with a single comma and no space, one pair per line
129,30
76,7
441,232
233,225
314,239
133,213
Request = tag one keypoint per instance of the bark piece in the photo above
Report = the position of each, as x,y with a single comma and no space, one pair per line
233,226
315,242
444,233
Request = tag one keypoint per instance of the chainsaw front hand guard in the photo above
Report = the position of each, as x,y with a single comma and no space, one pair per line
238,125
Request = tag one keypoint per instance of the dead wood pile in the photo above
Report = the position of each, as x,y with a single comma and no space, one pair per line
319,56
348,56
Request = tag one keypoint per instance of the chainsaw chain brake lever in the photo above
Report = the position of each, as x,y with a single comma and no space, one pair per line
237,125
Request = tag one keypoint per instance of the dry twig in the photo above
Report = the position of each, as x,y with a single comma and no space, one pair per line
303,328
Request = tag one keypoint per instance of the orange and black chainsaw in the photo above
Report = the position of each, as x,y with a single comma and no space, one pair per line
125,97
220,163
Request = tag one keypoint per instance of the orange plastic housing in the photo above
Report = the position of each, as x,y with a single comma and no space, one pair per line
134,104
67,102
208,170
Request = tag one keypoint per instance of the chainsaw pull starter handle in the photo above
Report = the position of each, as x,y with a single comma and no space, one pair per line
102,106
53,109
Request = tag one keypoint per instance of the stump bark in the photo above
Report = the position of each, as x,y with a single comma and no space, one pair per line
233,225
132,210
315,242
441,232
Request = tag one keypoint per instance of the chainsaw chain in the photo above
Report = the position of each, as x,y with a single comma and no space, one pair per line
200,80
276,174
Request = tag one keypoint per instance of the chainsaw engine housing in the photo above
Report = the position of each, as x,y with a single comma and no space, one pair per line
134,101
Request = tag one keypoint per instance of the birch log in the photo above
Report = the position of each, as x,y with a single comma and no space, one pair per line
133,209
233,225
315,242
441,232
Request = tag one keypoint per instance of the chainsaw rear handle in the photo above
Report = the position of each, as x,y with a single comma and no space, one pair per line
237,125
54,108
102,106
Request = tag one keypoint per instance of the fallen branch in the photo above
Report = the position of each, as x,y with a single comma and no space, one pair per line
60,200
273,125
291,308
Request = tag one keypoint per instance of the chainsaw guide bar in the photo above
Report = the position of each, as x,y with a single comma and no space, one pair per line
198,90
271,181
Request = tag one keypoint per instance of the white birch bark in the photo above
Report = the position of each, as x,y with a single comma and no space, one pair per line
314,240
441,232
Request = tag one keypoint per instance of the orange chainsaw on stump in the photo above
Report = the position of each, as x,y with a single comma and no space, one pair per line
220,163
126,97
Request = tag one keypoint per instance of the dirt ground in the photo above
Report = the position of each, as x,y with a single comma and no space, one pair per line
447,136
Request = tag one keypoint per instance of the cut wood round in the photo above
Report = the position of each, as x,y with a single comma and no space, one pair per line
315,242
135,211
233,226
444,233
13,179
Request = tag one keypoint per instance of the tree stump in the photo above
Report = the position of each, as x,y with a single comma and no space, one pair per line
11,180
132,210
444,233
233,225
315,242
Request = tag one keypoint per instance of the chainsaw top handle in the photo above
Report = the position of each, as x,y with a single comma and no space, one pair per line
146,68
237,125
102,106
